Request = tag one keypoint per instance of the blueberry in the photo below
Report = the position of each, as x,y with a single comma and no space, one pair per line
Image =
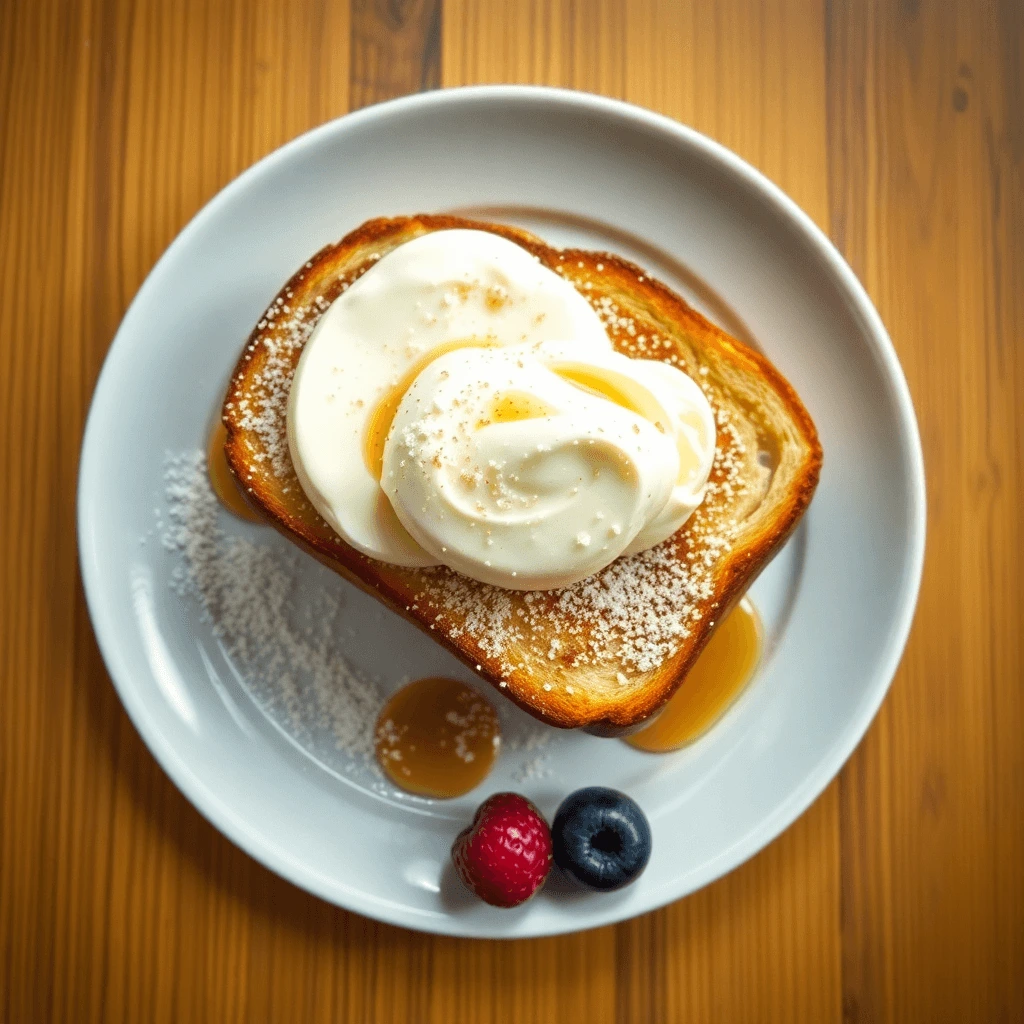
601,838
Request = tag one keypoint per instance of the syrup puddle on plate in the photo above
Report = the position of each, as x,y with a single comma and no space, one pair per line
717,678
437,737
222,480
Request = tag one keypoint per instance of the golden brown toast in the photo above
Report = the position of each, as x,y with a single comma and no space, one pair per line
608,652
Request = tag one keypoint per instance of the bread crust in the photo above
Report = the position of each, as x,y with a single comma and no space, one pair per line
743,381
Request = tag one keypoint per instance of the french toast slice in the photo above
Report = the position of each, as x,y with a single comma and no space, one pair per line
604,654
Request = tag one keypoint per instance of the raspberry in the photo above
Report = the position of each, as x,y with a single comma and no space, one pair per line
505,854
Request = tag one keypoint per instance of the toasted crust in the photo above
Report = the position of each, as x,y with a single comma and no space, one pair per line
568,669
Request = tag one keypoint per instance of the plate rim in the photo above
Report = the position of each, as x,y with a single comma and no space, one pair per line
261,848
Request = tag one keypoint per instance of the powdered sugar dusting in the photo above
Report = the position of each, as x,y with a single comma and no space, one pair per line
247,592
261,409
633,615
283,635
626,620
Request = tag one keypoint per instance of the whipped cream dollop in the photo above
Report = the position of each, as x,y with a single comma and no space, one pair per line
461,404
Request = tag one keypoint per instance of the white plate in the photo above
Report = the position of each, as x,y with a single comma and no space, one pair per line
838,601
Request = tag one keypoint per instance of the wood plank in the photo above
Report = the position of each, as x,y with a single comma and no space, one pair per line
396,49
762,944
117,901
926,144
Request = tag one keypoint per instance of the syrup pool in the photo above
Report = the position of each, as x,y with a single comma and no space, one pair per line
437,737
724,668
222,480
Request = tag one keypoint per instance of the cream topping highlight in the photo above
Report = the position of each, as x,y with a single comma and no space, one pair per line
462,404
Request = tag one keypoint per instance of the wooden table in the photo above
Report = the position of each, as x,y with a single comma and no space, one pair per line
899,127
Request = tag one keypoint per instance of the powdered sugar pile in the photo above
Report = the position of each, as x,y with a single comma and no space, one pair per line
284,636
247,592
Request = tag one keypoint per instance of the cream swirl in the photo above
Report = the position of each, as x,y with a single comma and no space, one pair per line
460,403
531,467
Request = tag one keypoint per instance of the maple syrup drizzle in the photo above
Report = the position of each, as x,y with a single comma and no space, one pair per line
379,425
437,737
721,672
223,481
513,406
594,383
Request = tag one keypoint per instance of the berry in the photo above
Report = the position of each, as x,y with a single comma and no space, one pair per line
601,838
505,855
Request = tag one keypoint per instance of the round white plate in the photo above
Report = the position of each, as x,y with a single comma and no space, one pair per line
837,602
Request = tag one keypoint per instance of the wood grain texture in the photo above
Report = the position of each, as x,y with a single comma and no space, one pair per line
899,896
926,161
396,49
